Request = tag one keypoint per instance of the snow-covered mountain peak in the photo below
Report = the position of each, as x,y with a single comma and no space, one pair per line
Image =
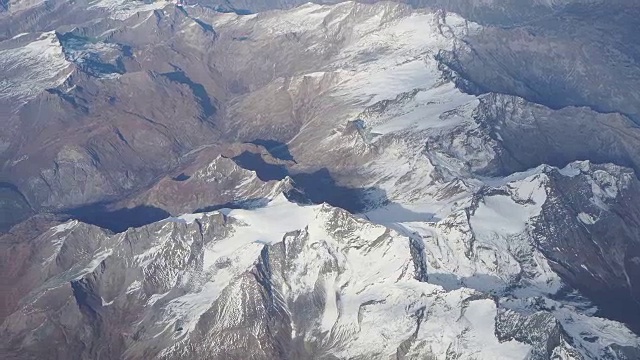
32,63
124,9
313,272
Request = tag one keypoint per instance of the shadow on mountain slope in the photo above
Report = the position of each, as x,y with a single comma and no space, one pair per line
576,63
480,282
197,89
117,220
242,204
314,187
265,171
14,206
318,186
277,149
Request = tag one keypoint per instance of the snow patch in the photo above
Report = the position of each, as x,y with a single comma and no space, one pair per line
188,218
575,168
124,9
19,36
135,286
106,303
587,219
32,68
99,257
64,227
501,214
269,224
58,240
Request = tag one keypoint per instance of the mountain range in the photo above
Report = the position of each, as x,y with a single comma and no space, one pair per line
336,180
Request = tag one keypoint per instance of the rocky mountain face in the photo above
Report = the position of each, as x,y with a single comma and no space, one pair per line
285,281
341,181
